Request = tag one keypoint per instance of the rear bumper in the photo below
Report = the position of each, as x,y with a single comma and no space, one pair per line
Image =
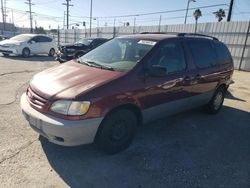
60,131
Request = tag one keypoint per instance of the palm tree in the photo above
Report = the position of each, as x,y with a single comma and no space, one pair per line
220,14
197,14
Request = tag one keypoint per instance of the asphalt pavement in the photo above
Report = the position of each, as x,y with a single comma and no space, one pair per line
191,149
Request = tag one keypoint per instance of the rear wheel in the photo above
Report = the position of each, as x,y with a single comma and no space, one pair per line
52,52
216,102
116,132
26,52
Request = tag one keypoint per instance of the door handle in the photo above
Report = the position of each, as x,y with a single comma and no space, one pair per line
188,78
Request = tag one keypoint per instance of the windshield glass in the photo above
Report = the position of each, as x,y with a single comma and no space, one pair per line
85,41
21,37
119,54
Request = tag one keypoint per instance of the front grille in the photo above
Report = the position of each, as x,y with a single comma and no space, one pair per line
36,100
62,49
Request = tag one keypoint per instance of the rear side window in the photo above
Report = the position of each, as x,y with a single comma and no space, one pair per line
203,53
223,54
44,39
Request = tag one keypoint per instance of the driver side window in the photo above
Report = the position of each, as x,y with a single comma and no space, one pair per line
171,56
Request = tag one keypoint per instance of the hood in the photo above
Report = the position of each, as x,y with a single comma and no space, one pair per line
70,79
8,41
73,45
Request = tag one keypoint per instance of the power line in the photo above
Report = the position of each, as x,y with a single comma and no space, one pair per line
67,11
163,12
30,12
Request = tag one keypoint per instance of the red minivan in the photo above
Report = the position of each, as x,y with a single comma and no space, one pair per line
102,96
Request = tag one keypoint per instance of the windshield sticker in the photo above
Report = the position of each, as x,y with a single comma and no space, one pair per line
147,42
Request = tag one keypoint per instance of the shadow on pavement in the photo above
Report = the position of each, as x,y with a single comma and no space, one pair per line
191,149
31,58
229,95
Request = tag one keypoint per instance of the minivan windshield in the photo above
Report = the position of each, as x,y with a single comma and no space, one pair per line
22,37
120,54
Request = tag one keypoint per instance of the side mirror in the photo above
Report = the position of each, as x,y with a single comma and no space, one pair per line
157,71
32,42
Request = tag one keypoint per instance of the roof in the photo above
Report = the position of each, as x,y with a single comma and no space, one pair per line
154,37
157,36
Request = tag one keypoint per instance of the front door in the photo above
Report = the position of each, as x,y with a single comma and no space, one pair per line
167,94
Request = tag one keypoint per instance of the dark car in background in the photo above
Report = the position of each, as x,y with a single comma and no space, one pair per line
71,51
3,37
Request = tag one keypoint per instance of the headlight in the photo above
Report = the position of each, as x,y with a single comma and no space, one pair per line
70,50
10,46
72,108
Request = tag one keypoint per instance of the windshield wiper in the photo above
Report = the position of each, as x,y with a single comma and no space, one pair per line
94,64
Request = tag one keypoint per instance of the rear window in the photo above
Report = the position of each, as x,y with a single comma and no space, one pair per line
223,54
203,53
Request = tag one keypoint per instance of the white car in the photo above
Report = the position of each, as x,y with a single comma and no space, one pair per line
27,44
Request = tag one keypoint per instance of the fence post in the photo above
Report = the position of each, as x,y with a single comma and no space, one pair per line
74,35
65,36
58,36
244,47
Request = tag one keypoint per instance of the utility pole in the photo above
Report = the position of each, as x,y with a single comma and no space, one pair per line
67,11
230,11
5,12
30,12
3,28
187,10
90,17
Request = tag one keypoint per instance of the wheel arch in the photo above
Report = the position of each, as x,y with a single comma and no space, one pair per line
132,107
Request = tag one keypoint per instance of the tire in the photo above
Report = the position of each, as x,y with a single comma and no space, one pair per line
26,52
61,61
4,54
78,54
116,132
52,52
215,104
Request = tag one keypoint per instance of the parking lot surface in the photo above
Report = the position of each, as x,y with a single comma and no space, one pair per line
191,149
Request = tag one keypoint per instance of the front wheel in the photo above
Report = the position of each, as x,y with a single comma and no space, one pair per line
26,52
116,132
216,102
52,52
4,54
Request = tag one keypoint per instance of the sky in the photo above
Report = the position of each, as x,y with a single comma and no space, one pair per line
50,13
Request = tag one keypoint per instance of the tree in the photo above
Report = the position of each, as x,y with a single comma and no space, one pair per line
197,14
40,30
220,14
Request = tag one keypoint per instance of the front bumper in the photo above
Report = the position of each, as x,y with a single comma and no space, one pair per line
64,57
60,131
8,51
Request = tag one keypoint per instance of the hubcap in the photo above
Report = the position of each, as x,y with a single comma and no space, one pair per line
26,52
52,52
218,100
119,131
